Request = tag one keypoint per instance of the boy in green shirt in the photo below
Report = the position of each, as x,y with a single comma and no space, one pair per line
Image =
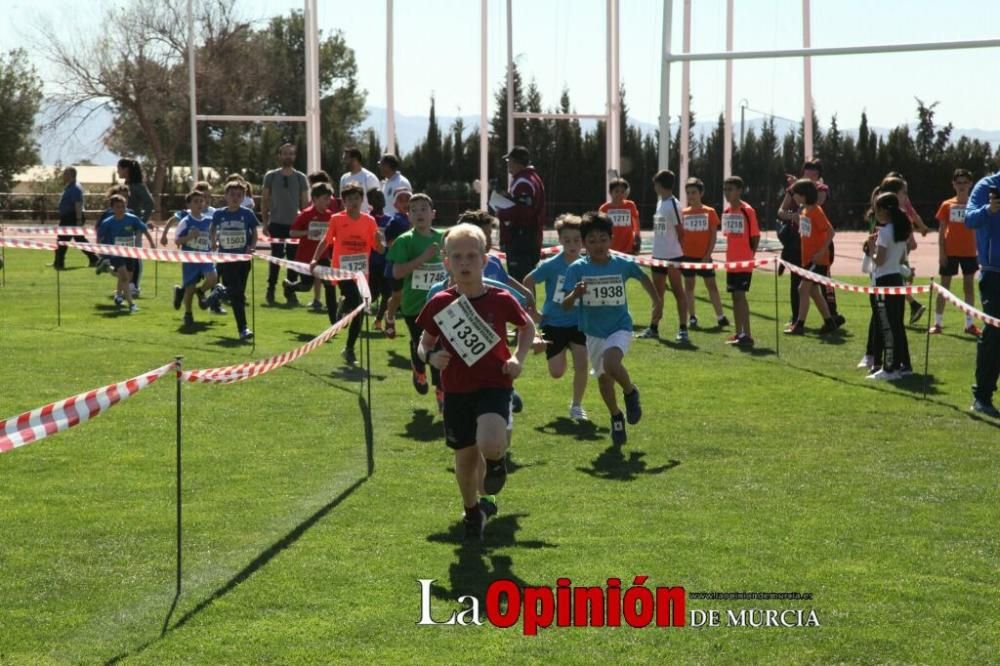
416,259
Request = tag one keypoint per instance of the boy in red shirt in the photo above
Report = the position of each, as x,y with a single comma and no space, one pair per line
957,248
815,237
310,226
477,370
701,231
352,235
739,226
624,215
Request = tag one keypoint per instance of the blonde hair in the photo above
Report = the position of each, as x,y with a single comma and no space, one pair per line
465,230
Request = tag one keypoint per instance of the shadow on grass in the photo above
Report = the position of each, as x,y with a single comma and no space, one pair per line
755,351
195,328
582,430
679,346
300,336
423,428
245,573
230,343
512,465
612,465
500,533
398,361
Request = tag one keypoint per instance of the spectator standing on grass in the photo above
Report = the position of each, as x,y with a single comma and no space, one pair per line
521,224
285,193
71,215
359,176
982,214
394,182
956,248
140,202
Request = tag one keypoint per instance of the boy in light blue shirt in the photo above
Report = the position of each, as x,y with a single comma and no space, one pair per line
560,328
597,282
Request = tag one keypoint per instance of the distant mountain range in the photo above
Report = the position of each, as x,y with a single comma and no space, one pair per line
72,144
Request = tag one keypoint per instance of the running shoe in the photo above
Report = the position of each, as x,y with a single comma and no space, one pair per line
119,300
984,407
246,334
916,312
317,305
692,322
420,382
972,329
733,339
618,436
682,336
578,413
745,341
178,296
475,524
377,325
132,309
349,356
649,334
723,321
936,329
488,506
798,328
633,408
883,375
188,319
866,362
516,402
390,328
269,296
439,395
496,475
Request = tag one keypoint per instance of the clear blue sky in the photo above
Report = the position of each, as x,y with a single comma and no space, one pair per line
561,43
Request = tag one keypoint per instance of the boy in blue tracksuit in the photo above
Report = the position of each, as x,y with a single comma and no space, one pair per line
122,229
982,214
234,230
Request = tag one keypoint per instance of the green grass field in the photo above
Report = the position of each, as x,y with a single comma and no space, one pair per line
749,472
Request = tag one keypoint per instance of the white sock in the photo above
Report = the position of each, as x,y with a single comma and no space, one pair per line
939,318
968,321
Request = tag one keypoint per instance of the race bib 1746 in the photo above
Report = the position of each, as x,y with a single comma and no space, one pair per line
427,276
466,332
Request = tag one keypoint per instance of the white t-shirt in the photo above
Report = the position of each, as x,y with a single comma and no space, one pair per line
366,179
389,189
666,245
894,255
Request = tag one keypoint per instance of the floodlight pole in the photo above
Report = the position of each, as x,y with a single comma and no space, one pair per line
312,86
727,139
807,108
390,102
510,82
664,152
484,132
685,143
192,95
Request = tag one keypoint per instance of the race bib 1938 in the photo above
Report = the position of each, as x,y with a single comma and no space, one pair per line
427,276
695,222
733,223
604,290
467,333
354,262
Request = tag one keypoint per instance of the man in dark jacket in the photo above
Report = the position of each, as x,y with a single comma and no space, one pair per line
982,214
521,225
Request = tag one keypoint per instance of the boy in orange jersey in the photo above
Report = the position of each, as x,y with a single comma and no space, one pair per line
815,234
957,248
353,235
739,226
625,216
701,230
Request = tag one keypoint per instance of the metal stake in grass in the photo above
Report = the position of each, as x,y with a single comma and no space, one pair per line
58,298
177,360
777,331
253,307
927,344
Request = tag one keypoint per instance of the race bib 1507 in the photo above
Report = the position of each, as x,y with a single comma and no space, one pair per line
604,290
466,332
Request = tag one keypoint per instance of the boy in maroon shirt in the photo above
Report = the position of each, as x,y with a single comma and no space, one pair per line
477,370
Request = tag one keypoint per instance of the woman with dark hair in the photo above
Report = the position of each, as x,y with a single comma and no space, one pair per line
887,248
140,203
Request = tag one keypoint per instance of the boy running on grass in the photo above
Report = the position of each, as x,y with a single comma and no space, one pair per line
398,225
739,226
234,231
416,260
701,231
193,235
477,370
560,328
598,281
310,226
815,238
121,229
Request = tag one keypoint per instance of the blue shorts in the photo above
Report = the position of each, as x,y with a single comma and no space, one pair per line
130,264
192,273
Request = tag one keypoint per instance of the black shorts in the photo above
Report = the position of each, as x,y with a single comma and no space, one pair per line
461,410
818,270
130,264
700,272
560,337
969,266
662,270
738,281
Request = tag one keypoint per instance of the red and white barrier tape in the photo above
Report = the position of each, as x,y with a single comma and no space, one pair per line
325,273
27,244
857,288
694,265
38,424
965,307
47,231
286,241
179,256
238,373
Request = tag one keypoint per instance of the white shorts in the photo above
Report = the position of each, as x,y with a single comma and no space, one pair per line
597,346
